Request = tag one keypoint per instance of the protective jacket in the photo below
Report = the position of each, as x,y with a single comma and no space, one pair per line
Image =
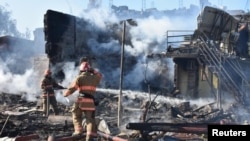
86,84
47,85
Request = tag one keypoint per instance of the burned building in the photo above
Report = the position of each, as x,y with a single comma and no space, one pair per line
207,64
16,53
20,56
202,59
68,38
214,60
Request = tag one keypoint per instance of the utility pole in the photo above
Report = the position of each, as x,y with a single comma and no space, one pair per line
120,108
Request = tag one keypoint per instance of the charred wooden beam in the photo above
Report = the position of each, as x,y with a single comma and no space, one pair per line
196,128
109,137
4,125
66,138
70,138
27,138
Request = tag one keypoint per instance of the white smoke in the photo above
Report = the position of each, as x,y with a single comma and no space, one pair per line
71,72
149,36
16,71
99,17
18,84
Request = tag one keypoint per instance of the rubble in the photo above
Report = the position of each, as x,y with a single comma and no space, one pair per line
26,120
165,117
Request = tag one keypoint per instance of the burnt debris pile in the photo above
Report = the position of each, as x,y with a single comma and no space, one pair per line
162,117
23,119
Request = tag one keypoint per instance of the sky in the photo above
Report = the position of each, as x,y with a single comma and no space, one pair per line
29,13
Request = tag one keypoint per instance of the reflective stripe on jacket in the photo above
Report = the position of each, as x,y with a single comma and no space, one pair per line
86,103
87,88
47,85
45,95
86,83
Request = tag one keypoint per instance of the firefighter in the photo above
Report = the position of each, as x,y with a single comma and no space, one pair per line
86,83
48,84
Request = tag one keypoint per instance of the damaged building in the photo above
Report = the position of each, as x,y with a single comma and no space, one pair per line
214,60
11,45
207,63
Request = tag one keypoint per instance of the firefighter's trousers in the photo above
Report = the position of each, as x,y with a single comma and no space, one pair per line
52,102
77,115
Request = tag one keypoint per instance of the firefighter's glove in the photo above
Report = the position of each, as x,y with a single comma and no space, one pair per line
67,93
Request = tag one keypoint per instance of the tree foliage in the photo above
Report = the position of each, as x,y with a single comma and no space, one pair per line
8,25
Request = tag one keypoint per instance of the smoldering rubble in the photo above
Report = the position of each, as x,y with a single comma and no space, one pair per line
169,115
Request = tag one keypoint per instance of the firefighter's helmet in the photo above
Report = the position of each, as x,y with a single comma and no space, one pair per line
84,66
47,72
84,59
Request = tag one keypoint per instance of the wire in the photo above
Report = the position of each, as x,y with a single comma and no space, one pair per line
70,9
246,5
